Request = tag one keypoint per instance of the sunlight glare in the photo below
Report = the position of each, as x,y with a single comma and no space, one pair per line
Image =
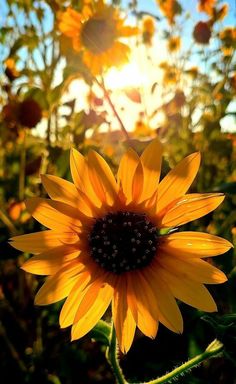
128,76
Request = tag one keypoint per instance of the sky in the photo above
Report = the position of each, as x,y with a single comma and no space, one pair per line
142,65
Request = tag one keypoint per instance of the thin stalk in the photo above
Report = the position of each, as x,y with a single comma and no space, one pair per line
15,355
9,224
49,129
112,357
107,96
212,350
22,169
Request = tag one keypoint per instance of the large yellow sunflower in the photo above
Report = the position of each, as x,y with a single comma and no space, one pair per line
95,32
104,244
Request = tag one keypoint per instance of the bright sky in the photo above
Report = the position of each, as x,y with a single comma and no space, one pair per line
141,72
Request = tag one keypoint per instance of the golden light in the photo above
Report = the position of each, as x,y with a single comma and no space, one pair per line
128,76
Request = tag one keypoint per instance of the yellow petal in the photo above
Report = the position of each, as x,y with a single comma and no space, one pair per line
127,167
146,311
102,178
49,262
137,186
42,241
177,182
188,291
169,313
191,207
92,307
194,244
66,192
80,176
70,21
151,161
193,269
58,286
122,316
75,297
54,214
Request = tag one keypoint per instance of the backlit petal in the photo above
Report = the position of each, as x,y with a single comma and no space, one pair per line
127,167
75,297
177,182
191,207
169,313
58,286
42,241
80,176
54,214
194,244
194,269
102,178
137,185
143,306
92,307
151,161
122,316
49,262
66,192
188,291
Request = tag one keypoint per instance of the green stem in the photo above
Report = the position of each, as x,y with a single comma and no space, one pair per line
213,349
22,168
112,357
9,224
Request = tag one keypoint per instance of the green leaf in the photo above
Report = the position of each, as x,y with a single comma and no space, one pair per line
101,332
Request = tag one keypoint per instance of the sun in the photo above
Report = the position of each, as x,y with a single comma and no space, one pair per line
129,75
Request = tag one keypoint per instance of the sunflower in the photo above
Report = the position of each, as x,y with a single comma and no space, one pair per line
148,29
170,8
206,6
174,43
105,244
95,32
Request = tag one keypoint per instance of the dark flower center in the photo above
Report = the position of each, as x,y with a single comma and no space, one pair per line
123,241
97,35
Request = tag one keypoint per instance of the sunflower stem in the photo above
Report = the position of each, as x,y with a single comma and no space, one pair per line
112,357
107,96
212,350
22,168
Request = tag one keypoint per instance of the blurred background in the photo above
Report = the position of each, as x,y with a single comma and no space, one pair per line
179,84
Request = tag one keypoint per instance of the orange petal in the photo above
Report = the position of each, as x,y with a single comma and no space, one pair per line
102,178
151,161
127,167
193,244
80,176
122,316
75,297
70,22
49,262
188,291
66,192
137,186
169,313
54,214
143,305
39,242
58,286
177,182
193,269
92,307
191,207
